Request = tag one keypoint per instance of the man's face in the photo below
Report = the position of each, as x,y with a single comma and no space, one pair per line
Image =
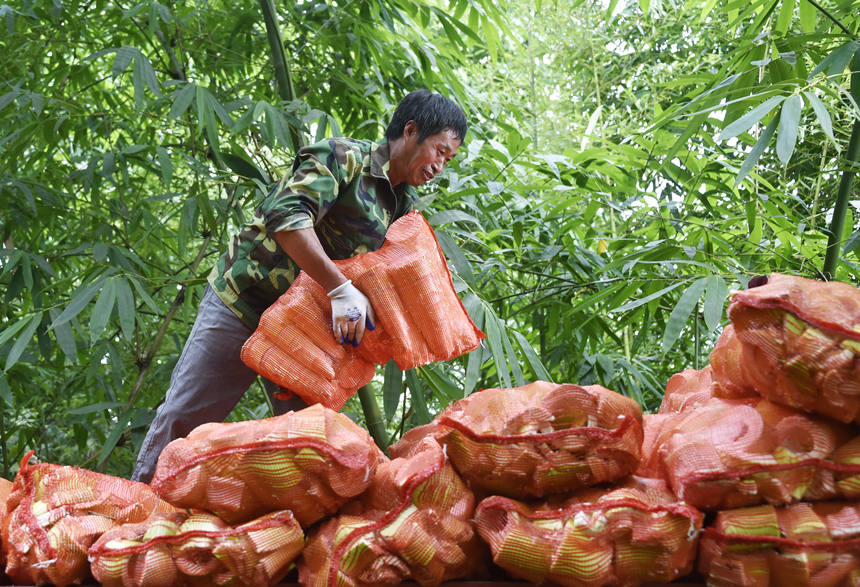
424,160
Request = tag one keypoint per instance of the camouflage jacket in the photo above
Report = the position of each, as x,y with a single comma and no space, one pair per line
340,188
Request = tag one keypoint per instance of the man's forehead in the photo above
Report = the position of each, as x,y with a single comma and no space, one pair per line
447,138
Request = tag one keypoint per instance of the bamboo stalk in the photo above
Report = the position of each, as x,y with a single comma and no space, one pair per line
852,158
282,67
373,417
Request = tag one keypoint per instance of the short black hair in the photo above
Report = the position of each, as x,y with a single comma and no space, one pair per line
432,113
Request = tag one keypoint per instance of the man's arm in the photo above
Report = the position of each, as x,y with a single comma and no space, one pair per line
350,308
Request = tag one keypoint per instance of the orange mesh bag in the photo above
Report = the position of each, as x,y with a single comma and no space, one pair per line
311,462
735,453
412,524
629,535
55,513
542,438
5,490
800,342
802,545
419,320
197,549
688,389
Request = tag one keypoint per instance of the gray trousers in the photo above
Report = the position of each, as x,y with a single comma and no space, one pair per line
207,382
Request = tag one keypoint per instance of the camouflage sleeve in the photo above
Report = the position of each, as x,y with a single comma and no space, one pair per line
301,199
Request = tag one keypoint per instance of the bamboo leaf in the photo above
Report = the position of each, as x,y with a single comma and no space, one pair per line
114,436
681,312
786,12
837,60
715,297
789,121
392,389
6,392
78,303
756,151
494,340
103,309
822,114
646,299
808,15
164,164
125,307
453,252
532,357
65,338
447,216
745,122
513,360
23,340
96,407
124,56
441,383
182,100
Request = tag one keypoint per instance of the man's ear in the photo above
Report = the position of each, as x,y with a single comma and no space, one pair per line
410,129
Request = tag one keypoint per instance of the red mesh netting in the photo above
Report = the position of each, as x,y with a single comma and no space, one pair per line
5,490
802,545
55,513
542,438
688,389
197,549
798,345
629,535
412,524
419,320
311,462
735,453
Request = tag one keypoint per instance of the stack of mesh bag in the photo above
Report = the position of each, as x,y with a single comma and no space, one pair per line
310,462
55,513
197,549
535,454
5,490
768,431
419,320
413,523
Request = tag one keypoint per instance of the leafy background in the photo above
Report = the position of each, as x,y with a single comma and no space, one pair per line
628,165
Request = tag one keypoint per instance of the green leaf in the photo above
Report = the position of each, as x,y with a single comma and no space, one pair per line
786,12
243,167
681,312
11,331
837,60
392,389
532,357
646,299
455,254
494,340
808,14
447,216
756,151
78,303
124,56
822,114
6,392
416,393
97,407
65,338
165,164
23,340
439,382
746,122
182,100
789,121
715,298
103,309
114,436
125,307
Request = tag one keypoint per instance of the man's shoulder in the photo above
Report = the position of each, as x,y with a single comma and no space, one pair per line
340,146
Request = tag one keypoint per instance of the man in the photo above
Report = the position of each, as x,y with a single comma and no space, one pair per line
339,200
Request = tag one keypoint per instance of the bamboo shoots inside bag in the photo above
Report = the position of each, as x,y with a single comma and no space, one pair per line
629,535
736,453
799,345
688,389
5,490
419,320
802,545
311,462
55,513
197,549
413,523
542,438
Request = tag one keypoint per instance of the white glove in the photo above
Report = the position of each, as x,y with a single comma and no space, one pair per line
350,313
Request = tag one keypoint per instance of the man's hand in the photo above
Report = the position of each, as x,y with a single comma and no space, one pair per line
350,312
